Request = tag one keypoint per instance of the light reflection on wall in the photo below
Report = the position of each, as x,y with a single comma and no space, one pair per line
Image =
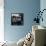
1,20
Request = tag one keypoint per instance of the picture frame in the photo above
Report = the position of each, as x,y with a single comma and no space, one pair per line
17,18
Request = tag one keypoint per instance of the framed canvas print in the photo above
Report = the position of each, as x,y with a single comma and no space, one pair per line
17,19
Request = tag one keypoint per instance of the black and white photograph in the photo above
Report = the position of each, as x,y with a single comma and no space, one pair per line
17,18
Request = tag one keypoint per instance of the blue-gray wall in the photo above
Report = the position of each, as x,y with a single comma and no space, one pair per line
29,8
43,6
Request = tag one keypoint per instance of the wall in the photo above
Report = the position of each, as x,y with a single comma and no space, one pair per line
28,7
43,6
